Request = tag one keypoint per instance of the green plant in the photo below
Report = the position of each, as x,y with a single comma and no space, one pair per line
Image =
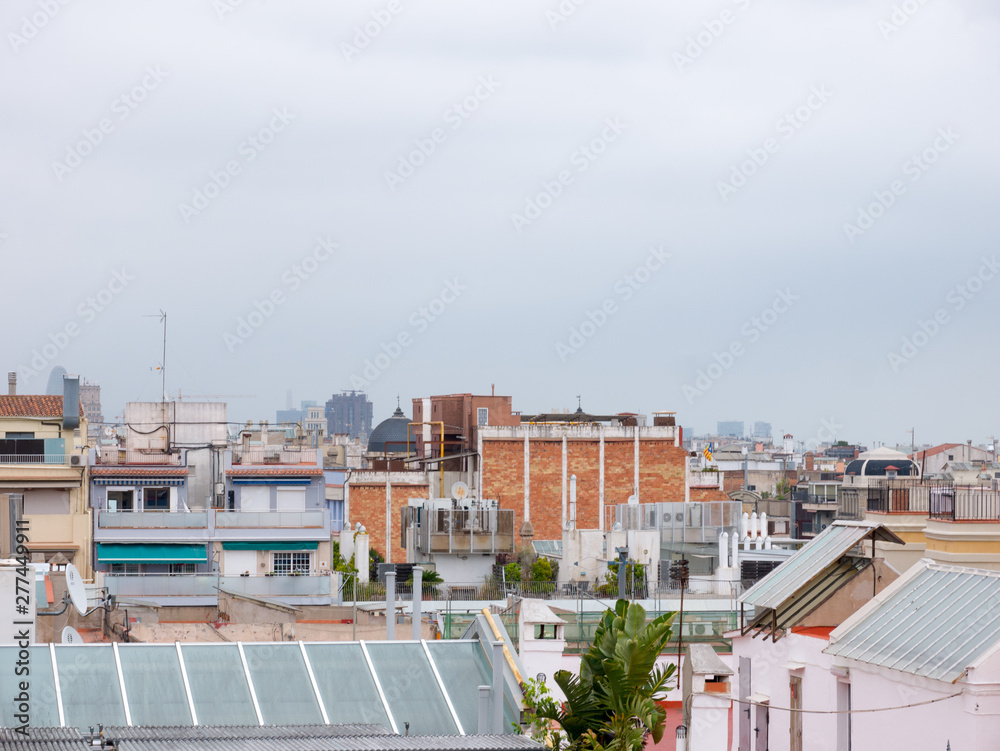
541,705
512,572
428,582
635,579
541,571
611,704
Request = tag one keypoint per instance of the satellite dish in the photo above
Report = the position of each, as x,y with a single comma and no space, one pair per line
459,491
109,431
77,592
71,636
633,500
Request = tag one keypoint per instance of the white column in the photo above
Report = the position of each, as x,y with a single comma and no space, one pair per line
600,479
565,480
527,477
388,518
635,488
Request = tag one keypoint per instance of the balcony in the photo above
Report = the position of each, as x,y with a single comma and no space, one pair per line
152,520
43,459
460,530
112,456
966,504
271,525
274,455
165,588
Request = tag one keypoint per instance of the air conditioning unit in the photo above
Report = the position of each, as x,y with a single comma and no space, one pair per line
76,460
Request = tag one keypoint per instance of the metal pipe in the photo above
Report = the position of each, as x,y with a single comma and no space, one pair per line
418,582
390,605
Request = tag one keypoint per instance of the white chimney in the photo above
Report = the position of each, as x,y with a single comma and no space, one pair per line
12,383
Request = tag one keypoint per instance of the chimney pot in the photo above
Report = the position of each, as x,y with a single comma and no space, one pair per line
12,383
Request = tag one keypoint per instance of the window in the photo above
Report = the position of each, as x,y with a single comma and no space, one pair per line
121,500
156,499
482,416
10,436
951,457
183,568
126,568
290,563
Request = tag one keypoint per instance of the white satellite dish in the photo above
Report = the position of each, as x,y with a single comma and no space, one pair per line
77,592
459,490
109,431
633,500
71,636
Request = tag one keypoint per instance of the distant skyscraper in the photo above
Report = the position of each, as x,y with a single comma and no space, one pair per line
762,430
349,412
55,384
731,429
291,416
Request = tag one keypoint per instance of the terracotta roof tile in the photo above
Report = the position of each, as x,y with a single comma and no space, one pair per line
32,406
127,471
275,471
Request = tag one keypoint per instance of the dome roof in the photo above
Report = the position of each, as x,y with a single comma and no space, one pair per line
389,436
880,462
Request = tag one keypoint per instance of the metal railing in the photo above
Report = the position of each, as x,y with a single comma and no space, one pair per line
206,585
39,459
849,504
677,522
460,530
973,504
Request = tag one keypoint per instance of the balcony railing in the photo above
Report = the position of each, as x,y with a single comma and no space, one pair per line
152,520
967,504
270,519
41,459
205,585
460,530
677,522
117,457
274,455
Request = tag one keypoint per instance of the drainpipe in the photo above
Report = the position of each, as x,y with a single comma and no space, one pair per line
572,501
418,594
390,605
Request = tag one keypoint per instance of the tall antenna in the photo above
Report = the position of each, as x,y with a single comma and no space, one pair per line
163,364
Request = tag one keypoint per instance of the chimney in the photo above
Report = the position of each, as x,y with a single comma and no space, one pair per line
71,401
810,465
12,383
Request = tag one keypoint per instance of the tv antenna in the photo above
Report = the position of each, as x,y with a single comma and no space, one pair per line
163,364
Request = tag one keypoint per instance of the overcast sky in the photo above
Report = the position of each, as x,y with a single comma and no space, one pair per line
757,210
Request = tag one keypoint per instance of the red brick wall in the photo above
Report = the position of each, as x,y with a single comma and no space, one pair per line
546,489
708,494
619,471
368,507
503,476
661,478
584,461
661,472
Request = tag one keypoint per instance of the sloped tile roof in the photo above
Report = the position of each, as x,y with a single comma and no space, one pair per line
127,471
275,471
32,406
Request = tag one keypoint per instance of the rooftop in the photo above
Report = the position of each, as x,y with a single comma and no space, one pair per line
32,406
935,621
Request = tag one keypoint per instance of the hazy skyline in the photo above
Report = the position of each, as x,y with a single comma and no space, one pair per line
741,210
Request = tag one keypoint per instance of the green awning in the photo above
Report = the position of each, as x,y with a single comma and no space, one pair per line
264,545
123,552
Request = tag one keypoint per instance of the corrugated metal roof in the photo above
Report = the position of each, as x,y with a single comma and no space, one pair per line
811,561
259,738
934,622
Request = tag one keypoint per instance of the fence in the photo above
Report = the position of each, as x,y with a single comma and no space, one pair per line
972,504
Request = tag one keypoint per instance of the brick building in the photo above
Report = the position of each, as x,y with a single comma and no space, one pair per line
461,416
527,468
